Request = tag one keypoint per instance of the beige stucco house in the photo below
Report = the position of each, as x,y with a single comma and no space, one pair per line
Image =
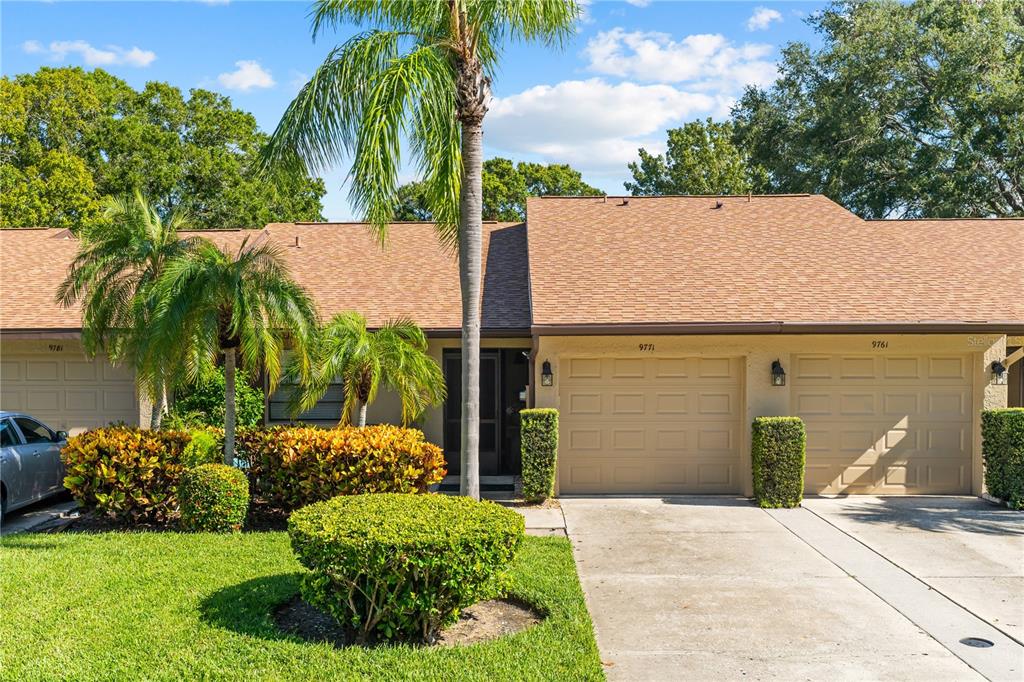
659,327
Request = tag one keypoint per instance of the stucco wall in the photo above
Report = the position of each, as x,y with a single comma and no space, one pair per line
760,398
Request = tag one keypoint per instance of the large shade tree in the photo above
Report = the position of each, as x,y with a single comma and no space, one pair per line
422,71
209,303
70,137
701,158
363,360
111,279
505,187
911,109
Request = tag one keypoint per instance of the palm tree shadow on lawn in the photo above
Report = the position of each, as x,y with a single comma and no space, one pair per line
248,607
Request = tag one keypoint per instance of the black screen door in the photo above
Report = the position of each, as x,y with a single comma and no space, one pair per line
490,412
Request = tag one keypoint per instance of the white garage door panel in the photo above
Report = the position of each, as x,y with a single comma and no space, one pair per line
649,425
885,425
70,393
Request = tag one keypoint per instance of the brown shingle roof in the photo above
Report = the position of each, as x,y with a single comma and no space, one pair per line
340,265
798,259
791,259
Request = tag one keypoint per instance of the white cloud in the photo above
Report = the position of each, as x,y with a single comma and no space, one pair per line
639,3
109,55
709,61
247,76
297,80
762,18
592,124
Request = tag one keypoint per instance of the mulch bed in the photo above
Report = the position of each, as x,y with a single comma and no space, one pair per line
262,518
481,622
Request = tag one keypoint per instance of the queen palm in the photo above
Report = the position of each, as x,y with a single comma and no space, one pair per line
394,355
110,276
423,71
209,303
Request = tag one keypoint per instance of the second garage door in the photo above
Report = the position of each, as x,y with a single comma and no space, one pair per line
885,425
68,393
649,425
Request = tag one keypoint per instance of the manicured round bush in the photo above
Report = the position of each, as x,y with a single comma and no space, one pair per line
204,448
213,497
126,473
401,567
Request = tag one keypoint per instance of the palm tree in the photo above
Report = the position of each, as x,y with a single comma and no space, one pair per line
115,266
208,303
422,70
395,355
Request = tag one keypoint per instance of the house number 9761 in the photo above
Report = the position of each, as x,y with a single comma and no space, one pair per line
646,347
879,344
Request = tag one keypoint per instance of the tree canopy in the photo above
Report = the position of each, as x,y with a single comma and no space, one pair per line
69,138
506,185
906,110
701,158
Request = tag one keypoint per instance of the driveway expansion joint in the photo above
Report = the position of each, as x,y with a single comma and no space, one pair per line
938,616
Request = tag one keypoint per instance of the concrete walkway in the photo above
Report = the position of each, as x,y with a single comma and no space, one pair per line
699,588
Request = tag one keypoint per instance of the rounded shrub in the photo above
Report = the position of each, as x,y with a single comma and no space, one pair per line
213,497
401,567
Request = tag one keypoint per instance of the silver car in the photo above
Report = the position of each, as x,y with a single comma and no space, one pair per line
30,464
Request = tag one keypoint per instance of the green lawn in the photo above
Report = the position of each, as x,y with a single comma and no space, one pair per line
162,606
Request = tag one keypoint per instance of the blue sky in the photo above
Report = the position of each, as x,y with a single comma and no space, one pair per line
633,69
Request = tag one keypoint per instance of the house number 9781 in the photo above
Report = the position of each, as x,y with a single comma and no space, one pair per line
646,347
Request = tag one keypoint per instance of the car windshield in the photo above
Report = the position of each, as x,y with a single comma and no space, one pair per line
7,435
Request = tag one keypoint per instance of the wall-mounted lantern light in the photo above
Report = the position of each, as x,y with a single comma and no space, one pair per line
999,373
547,378
778,374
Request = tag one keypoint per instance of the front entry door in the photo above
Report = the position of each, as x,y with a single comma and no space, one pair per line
490,415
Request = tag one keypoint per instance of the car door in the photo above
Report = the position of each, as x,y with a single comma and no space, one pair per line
43,456
12,470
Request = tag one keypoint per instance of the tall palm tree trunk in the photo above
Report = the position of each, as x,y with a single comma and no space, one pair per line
361,418
159,408
229,406
470,258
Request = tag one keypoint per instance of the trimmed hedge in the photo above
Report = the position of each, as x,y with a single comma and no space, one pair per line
127,473
539,437
213,497
401,567
1002,449
778,453
294,466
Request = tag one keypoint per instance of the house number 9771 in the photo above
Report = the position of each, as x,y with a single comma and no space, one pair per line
646,347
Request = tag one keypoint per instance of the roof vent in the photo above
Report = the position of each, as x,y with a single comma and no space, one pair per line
297,242
625,201
719,204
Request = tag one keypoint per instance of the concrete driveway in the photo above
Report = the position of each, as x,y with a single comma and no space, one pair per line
705,588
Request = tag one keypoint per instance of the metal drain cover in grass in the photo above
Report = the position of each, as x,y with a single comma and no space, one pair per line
977,642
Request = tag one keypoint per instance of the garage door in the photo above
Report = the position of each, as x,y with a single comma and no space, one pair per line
885,425
649,425
67,393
